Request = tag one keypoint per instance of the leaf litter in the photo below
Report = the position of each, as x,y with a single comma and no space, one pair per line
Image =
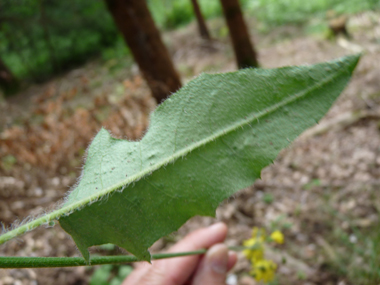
320,183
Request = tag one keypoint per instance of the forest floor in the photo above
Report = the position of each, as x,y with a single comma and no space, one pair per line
321,191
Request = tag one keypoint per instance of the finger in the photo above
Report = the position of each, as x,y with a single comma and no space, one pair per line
185,266
202,238
140,269
213,268
178,270
232,259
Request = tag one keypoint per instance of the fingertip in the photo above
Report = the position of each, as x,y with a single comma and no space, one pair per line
218,230
217,256
232,259
214,266
219,226
202,238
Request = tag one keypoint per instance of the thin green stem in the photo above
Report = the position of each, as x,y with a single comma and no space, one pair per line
41,262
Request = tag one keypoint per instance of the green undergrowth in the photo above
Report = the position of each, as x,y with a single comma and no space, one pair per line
279,12
349,244
355,250
36,43
40,38
269,14
110,274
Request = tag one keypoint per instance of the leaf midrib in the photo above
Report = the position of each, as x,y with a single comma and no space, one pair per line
67,210
181,153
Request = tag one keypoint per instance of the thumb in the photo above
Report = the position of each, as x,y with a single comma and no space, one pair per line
214,266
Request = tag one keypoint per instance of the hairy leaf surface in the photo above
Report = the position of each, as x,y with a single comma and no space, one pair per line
204,143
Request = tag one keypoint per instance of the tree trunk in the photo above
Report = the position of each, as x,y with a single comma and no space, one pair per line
135,22
7,80
243,48
201,22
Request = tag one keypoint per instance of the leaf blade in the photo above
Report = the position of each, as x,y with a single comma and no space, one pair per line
203,134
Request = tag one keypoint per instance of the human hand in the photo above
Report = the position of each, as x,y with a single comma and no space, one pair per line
210,268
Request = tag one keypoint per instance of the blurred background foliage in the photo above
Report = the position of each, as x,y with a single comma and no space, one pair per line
41,38
278,12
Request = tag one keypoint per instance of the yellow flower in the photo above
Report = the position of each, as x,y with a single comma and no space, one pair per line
263,270
258,233
256,251
278,237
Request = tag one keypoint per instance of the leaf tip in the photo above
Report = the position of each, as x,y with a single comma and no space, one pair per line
351,60
355,58
103,131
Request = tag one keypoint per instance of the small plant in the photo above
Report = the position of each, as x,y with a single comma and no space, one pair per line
313,183
353,247
262,269
268,198
204,143
109,274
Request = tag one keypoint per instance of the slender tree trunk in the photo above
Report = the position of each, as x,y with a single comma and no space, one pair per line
201,22
8,82
135,22
243,48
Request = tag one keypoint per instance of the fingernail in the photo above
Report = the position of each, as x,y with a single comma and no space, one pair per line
218,258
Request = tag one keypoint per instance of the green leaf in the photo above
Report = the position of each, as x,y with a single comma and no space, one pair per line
206,142
102,275
124,271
